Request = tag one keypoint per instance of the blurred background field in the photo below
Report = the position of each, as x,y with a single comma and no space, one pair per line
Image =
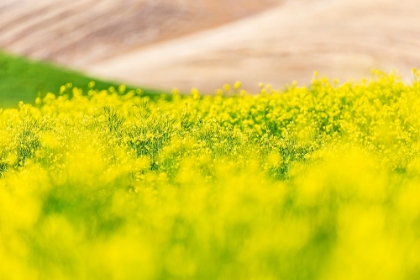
22,79
207,43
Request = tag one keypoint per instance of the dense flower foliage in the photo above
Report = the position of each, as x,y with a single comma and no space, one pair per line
317,182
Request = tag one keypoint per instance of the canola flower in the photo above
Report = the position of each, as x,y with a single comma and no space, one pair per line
317,182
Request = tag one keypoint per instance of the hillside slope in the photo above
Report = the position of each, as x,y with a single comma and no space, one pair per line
79,32
342,39
207,43
23,80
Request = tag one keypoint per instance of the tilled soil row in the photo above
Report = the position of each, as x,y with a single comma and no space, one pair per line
80,32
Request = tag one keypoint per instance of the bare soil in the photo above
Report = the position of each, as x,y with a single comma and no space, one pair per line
79,33
206,43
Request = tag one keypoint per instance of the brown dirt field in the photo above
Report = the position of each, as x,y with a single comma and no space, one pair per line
78,33
207,43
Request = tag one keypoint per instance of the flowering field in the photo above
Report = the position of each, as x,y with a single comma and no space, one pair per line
317,182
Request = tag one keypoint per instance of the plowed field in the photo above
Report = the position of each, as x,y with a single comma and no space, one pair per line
207,43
